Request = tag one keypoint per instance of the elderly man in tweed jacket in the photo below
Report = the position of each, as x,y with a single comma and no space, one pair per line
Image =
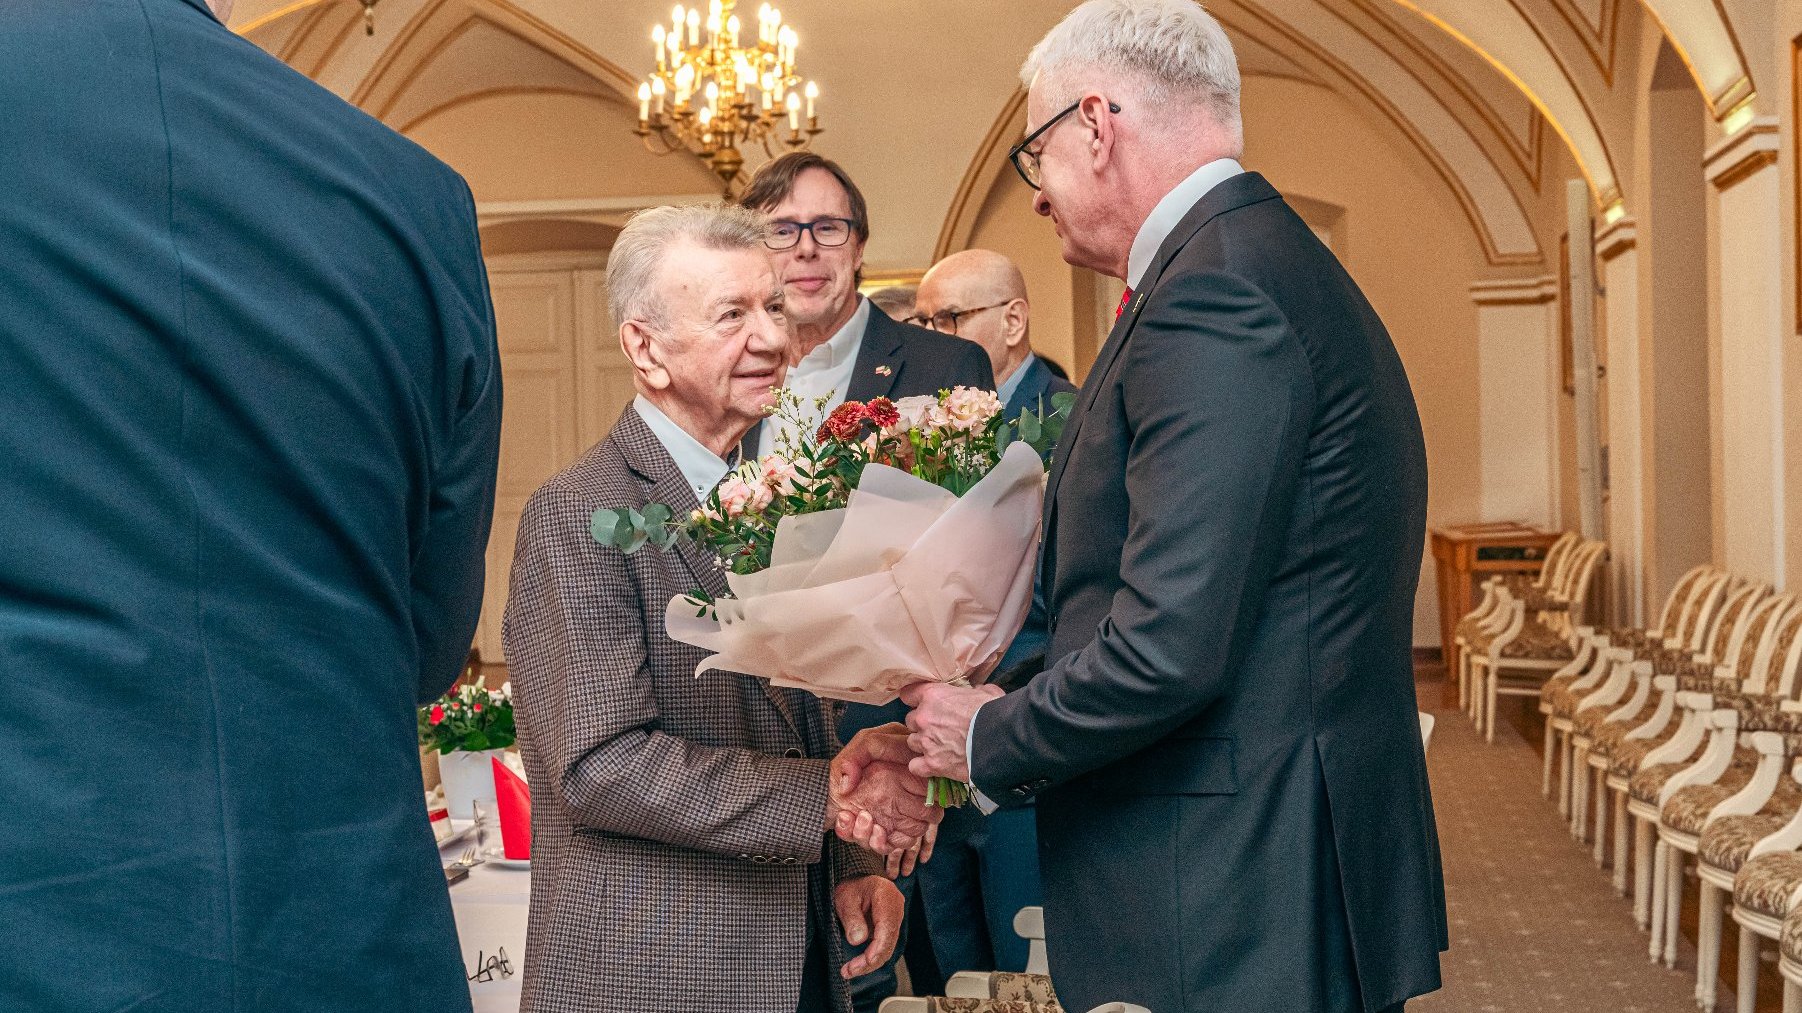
682,855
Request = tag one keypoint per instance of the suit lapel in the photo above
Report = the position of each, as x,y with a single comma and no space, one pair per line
646,456
879,364
1237,192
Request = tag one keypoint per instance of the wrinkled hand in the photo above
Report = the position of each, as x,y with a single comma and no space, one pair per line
902,863
875,801
869,907
940,723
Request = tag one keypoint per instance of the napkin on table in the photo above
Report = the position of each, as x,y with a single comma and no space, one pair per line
513,799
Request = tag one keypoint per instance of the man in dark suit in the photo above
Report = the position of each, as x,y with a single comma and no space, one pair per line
682,849
984,870
846,349
253,400
1232,795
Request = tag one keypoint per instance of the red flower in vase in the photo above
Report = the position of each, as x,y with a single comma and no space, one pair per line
437,715
477,708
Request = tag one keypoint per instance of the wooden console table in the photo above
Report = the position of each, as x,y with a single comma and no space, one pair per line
1469,554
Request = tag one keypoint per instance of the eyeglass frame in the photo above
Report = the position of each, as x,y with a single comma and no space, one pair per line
1014,153
921,320
806,228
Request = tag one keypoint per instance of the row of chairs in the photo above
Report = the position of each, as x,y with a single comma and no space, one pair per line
1524,629
1680,743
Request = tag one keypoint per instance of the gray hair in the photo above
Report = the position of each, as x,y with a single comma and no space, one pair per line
640,248
1174,48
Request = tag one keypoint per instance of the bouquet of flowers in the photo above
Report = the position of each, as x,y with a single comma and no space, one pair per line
894,545
469,718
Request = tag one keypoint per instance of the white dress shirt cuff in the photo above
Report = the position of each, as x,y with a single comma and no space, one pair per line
983,802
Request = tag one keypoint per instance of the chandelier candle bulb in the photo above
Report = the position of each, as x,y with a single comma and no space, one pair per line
644,104
657,90
794,113
657,43
694,27
732,27
813,92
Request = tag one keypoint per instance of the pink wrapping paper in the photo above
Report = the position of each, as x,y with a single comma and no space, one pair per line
906,584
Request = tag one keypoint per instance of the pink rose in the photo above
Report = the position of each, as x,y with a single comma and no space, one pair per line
779,474
913,413
735,496
969,409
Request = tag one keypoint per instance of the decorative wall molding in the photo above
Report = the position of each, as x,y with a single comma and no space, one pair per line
1515,291
1615,239
1743,154
598,210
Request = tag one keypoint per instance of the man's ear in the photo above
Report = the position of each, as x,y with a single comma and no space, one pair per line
644,353
1100,121
1015,318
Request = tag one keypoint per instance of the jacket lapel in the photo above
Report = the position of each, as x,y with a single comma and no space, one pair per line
1237,192
879,363
652,463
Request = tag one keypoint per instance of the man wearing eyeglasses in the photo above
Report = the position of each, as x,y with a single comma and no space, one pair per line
1233,809
843,349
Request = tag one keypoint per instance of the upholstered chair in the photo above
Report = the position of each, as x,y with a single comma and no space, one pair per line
1492,615
1540,638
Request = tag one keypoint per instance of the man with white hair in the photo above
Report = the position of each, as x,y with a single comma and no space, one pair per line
1232,795
682,848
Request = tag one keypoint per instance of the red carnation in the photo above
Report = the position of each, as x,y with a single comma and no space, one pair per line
882,412
844,423
437,714
478,708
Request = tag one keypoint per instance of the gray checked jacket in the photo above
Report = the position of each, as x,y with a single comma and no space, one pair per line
676,821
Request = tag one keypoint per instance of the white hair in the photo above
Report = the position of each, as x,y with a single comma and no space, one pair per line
1176,51
639,250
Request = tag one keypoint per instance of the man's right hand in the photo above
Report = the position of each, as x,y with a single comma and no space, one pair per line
874,800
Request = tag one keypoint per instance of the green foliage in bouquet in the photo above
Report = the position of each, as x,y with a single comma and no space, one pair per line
469,718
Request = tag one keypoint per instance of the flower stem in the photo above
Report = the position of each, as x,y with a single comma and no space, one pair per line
946,793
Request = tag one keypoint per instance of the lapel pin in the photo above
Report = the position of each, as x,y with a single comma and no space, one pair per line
884,371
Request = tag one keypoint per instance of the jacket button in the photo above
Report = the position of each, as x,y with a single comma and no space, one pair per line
791,860
791,753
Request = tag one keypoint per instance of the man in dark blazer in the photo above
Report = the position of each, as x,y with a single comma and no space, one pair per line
253,401
846,349
682,857
985,869
1232,794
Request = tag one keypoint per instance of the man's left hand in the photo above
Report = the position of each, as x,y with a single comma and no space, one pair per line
869,907
940,726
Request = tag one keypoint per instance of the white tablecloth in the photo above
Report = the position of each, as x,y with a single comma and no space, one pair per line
490,907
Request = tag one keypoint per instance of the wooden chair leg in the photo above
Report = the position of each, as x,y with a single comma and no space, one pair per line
1792,997
1601,813
1660,883
1708,946
1545,780
1673,904
1620,836
1644,872
1745,985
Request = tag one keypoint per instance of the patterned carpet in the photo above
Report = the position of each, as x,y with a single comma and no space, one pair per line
1534,924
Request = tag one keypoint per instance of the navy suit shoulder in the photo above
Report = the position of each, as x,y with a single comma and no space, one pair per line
252,359
901,360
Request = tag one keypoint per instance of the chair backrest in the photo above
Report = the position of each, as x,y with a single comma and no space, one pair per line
1582,590
1729,627
1786,651
1556,556
1747,653
1672,612
1710,594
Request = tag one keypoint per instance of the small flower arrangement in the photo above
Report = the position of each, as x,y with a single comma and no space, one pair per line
469,718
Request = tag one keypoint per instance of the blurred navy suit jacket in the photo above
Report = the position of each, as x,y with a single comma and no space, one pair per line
252,400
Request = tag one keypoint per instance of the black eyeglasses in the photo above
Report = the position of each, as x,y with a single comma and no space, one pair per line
1026,163
945,321
826,232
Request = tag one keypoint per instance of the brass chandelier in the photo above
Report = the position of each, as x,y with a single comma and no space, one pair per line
711,95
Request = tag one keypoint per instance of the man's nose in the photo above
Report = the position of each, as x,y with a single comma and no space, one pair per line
768,335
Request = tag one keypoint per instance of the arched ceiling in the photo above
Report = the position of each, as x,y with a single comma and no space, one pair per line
1470,82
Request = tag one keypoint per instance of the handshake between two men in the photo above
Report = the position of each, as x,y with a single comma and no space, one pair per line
878,780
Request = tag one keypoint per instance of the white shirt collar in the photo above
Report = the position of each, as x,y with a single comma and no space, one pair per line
1169,211
842,347
701,468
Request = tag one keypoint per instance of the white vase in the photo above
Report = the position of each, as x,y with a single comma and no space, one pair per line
468,777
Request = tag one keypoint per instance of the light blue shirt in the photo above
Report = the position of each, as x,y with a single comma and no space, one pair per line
1158,225
1012,384
701,468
